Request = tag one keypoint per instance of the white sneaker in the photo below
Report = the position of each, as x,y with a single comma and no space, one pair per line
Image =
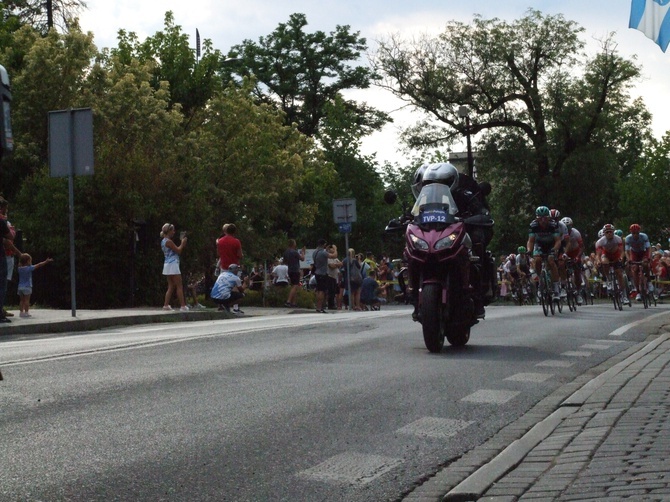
167,307
638,297
200,306
24,314
183,309
564,293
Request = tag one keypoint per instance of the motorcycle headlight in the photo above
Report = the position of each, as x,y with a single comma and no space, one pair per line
446,243
418,243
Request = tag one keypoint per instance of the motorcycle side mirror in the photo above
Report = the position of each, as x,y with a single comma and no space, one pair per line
390,197
394,226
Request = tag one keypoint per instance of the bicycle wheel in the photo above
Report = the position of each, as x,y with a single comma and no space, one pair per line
616,294
543,299
645,298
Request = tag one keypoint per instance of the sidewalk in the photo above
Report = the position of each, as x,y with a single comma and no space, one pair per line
604,436
61,321
609,440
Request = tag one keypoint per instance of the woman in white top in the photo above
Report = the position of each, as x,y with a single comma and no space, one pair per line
171,266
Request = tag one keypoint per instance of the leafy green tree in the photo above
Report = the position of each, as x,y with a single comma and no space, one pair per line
47,73
44,15
302,72
644,191
192,81
548,114
239,163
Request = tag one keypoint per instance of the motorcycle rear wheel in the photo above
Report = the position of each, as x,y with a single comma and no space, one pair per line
431,317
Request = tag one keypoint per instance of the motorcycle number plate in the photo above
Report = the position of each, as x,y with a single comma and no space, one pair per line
434,216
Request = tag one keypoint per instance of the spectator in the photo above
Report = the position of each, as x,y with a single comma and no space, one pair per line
369,263
9,252
370,292
7,244
292,259
353,277
25,288
256,278
229,249
228,288
280,274
171,266
320,259
197,285
334,265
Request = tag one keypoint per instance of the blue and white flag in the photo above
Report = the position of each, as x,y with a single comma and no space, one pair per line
652,17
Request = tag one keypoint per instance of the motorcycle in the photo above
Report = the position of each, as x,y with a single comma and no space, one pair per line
439,249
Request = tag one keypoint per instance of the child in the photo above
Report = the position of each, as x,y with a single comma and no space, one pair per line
25,287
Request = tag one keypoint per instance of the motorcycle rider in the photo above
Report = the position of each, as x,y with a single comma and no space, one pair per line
470,199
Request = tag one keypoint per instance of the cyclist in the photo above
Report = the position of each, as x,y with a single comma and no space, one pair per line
574,248
522,260
638,248
555,215
512,271
544,237
609,251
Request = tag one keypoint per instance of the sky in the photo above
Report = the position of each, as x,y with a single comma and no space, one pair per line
228,23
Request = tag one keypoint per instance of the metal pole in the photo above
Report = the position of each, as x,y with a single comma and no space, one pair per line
71,211
346,250
471,164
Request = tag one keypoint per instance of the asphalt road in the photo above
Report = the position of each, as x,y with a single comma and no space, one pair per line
347,406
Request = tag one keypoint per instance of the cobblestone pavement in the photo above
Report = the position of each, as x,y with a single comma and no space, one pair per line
606,436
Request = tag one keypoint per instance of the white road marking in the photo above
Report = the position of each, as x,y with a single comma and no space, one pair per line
529,377
351,468
577,353
435,427
554,363
491,396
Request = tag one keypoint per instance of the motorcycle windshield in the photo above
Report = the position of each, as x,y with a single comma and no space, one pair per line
435,204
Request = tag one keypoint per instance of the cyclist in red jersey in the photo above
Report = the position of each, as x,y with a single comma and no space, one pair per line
609,252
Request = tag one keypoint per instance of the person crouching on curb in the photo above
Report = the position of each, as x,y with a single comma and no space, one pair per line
228,288
25,287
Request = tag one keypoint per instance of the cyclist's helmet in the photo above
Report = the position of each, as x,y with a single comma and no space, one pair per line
618,232
608,228
521,250
567,222
555,214
443,173
418,180
601,232
512,257
635,228
542,211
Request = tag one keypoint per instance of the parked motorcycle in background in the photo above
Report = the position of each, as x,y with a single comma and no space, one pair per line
439,249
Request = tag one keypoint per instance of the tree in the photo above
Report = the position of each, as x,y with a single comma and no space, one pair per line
302,72
44,15
192,81
48,73
239,163
518,77
644,191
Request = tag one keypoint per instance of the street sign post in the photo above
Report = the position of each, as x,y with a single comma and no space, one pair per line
70,153
344,214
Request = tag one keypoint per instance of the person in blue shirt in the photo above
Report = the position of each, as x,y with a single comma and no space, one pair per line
228,288
25,287
370,291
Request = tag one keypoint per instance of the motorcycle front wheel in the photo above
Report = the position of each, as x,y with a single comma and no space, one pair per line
431,317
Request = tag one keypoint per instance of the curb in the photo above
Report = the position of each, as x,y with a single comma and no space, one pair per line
75,324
